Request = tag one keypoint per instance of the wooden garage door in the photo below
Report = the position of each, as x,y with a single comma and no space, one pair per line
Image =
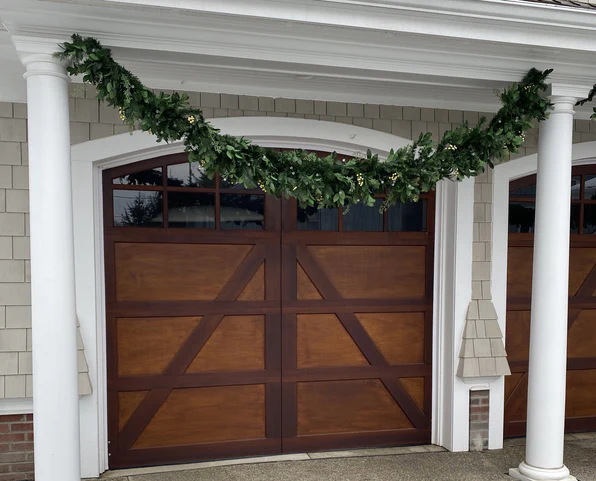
581,345
216,299
357,325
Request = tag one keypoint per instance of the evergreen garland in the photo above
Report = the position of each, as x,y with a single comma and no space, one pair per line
325,182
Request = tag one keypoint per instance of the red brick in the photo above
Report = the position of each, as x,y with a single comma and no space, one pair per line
4,468
21,447
21,427
22,468
13,418
29,417
12,437
13,457
479,409
478,417
29,436
4,448
16,476
4,427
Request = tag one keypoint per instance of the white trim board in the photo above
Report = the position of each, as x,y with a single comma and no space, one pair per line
439,54
90,158
582,154
16,406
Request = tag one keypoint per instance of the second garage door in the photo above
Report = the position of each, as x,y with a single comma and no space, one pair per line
240,324
580,409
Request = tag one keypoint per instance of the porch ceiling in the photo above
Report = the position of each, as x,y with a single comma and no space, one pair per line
384,51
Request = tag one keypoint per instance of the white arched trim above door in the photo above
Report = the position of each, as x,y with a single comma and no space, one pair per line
582,154
90,158
267,131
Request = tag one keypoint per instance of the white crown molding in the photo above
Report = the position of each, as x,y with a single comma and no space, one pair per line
16,406
361,51
253,29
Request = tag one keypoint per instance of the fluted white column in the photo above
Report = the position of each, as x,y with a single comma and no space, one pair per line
548,332
55,382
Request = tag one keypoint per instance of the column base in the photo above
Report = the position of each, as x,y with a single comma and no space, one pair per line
542,474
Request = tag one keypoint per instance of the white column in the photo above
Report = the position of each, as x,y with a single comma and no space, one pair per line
55,378
548,331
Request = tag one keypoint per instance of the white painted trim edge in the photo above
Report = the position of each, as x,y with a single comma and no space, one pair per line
16,406
287,132
452,293
89,158
584,153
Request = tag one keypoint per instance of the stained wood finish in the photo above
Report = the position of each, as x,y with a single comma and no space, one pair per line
581,343
357,337
226,343
194,336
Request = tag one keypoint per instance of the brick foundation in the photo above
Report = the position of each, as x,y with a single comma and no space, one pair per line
16,447
479,404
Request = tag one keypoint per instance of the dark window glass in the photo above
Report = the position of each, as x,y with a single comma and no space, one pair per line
590,187
529,191
226,184
521,217
146,177
242,211
312,218
191,209
589,219
361,217
140,208
574,228
576,186
188,174
408,217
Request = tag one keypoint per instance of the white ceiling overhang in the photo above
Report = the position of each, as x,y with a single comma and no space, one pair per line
429,53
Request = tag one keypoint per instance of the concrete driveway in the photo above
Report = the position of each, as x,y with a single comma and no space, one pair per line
428,464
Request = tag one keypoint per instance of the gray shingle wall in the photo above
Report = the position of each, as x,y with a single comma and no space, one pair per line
92,120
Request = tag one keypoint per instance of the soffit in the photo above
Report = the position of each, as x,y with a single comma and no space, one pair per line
390,52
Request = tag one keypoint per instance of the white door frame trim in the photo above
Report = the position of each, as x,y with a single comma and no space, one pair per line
90,158
582,154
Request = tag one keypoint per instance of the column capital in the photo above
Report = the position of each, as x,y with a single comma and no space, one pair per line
564,96
37,55
559,91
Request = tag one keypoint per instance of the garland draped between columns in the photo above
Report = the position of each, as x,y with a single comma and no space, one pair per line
326,182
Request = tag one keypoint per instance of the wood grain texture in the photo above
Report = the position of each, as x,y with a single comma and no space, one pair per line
237,344
374,271
128,402
415,388
147,345
322,341
276,358
581,341
518,335
174,272
347,406
399,336
207,415
581,393
306,290
255,289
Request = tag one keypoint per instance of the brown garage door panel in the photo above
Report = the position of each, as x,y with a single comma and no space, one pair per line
581,342
201,321
175,272
356,328
206,415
